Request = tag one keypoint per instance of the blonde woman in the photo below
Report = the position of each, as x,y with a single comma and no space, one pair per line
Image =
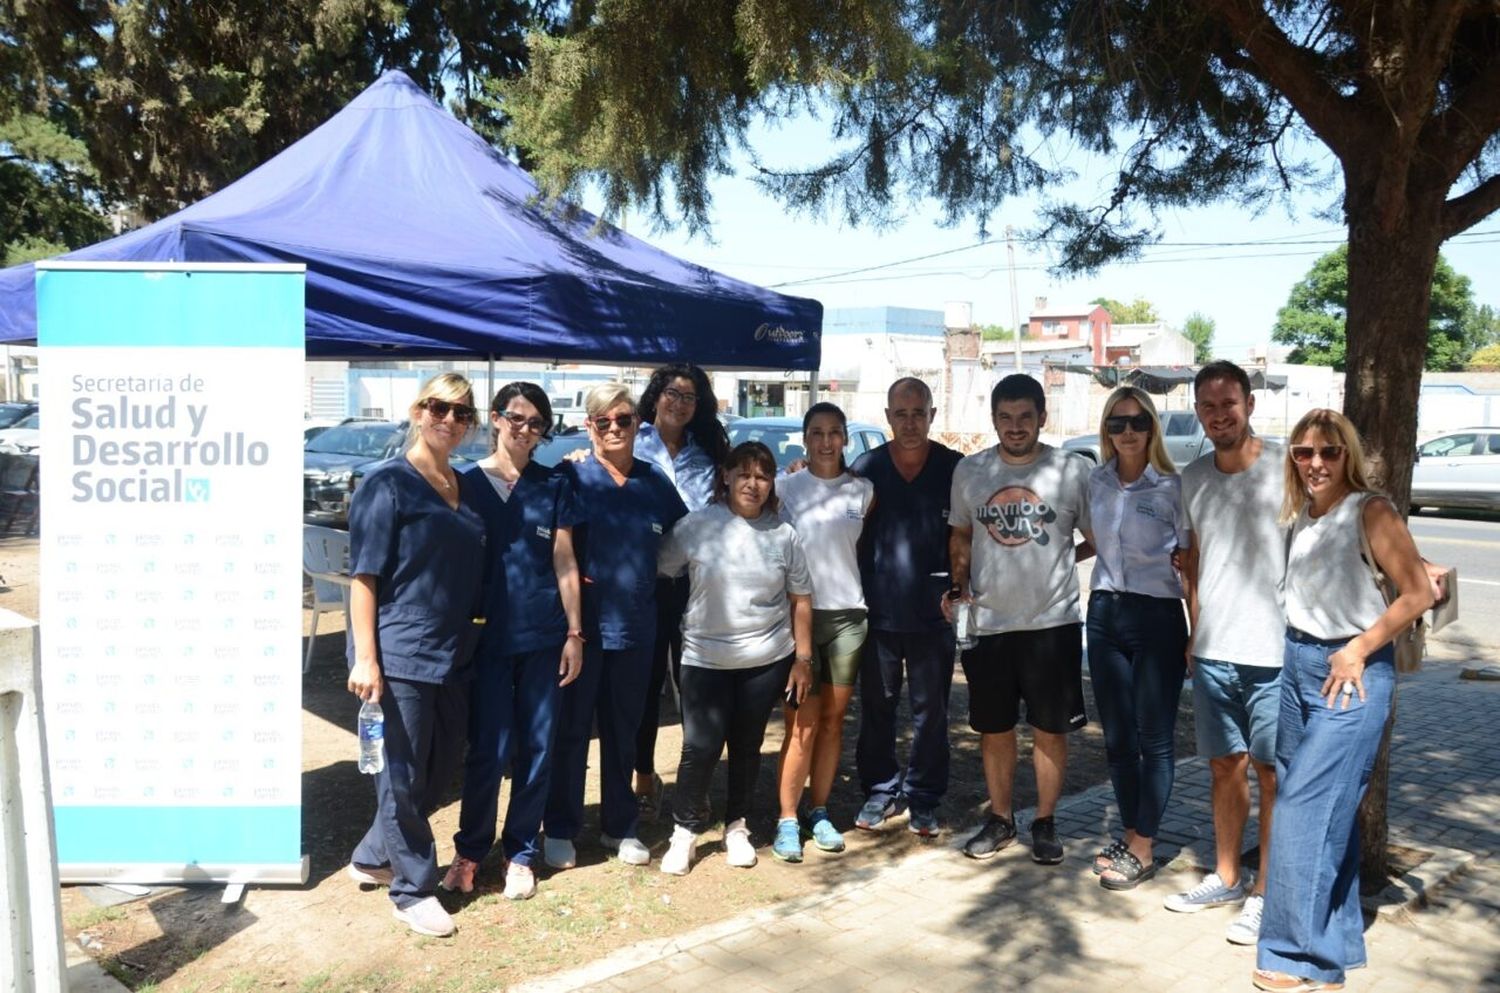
1136,627
416,551
1336,691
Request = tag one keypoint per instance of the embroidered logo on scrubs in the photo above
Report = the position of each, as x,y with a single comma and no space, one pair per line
1155,511
655,528
1015,515
544,532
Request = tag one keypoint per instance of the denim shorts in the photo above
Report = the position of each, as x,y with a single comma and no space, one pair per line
1236,708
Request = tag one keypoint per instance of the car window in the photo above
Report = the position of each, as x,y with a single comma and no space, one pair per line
371,440
873,441
29,421
1451,444
1495,444
1182,422
550,452
786,443
10,413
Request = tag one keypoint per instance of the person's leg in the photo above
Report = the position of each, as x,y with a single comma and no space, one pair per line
536,697
1158,670
671,598
830,738
625,679
754,692
1049,669
1223,735
797,750
491,729
994,708
1115,695
1230,796
450,728
406,836
570,749
707,695
1263,704
879,697
929,673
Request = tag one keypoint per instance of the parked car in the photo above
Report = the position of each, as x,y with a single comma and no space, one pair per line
329,460
23,437
1181,433
13,411
314,426
783,436
1458,470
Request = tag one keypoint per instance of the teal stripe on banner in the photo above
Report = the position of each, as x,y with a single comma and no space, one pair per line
189,835
241,309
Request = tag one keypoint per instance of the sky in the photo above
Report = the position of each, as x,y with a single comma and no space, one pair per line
1217,260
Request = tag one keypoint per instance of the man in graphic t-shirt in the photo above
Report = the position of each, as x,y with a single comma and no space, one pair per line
1012,515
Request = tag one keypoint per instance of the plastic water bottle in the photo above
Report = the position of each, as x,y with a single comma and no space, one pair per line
963,619
371,738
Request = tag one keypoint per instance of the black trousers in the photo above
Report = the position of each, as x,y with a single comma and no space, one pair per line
719,707
671,601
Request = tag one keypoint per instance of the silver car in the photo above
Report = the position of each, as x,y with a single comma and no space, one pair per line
1460,470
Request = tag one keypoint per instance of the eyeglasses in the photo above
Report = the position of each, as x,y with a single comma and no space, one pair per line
1140,423
677,396
1303,454
439,409
621,421
521,422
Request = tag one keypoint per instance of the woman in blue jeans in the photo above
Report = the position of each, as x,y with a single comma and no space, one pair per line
1136,628
1335,697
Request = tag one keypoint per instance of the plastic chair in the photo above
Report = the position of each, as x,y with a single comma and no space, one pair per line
325,559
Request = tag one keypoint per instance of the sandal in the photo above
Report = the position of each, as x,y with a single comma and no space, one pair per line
649,804
1129,870
1285,982
1108,854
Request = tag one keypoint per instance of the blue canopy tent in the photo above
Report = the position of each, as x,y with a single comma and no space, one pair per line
422,241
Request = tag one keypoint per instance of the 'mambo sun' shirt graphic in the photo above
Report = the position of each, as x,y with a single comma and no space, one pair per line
1022,519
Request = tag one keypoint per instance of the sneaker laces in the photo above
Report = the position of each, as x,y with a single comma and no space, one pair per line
1211,883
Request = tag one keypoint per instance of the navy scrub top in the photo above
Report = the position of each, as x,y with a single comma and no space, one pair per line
523,609
620,527
428,561
905,541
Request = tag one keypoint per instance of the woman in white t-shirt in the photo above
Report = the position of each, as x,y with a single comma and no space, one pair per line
827,505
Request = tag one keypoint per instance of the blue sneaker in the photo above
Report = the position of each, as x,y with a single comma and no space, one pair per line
923,823
788,843
874,813
824,834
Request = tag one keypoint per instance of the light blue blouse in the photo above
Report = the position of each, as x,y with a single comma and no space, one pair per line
692,471
1136,529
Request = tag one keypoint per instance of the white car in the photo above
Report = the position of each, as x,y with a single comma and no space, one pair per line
1459,470
23,439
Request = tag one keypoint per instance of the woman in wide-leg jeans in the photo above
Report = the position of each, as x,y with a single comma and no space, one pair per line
1336,691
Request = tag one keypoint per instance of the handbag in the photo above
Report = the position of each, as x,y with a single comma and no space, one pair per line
1411,643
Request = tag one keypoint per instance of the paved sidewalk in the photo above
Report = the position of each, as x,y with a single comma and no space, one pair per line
940,922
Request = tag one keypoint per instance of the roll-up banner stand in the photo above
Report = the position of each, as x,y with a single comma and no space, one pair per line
171,606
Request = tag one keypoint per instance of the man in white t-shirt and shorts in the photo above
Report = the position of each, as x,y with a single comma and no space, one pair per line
1012,515
1232,573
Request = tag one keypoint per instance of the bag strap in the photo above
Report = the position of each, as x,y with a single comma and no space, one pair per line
1382,583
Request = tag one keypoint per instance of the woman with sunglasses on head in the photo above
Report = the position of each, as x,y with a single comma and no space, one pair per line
681,435
1336,690
827,505
532,644
1137,632
746,639
625,507
416,552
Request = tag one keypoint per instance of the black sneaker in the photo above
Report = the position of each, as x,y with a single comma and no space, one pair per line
1045,848
993,835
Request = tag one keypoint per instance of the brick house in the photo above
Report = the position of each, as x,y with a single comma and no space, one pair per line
1087,322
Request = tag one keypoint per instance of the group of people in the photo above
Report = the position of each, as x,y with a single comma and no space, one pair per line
502,613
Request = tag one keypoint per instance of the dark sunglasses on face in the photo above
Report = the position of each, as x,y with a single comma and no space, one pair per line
439,409
622,421
521,422
1140,423
1303,454
677,396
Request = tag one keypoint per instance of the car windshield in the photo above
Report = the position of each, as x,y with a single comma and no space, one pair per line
29,421
1182,422
1453,444
548,453
785,443
10,413
371,439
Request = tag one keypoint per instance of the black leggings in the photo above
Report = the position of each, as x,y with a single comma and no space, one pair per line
722,706
671,601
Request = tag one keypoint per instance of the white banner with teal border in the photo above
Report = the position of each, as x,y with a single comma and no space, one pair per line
171,606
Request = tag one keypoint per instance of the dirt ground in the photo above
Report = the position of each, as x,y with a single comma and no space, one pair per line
332,936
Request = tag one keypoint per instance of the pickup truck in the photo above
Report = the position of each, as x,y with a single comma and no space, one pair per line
1181,433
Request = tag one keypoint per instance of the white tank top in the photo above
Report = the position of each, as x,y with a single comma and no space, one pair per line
1330,591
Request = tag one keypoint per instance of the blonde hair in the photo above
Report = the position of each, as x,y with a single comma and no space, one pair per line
448,386
605,396
1336,427
1156,449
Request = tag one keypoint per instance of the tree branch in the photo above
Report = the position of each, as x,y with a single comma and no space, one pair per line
1289,69
1459,132
1463,212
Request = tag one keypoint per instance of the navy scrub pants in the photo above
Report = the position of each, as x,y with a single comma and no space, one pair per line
612,686
512,717
671,601
424,727
928,666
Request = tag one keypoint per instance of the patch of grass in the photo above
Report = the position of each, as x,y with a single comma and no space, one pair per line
95,916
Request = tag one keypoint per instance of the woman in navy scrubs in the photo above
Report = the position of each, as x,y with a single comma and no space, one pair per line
417,557
532,644
625,506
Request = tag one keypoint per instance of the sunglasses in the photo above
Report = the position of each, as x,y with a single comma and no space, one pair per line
621,421
1140,423
1303,454
439,409
677,396
521,422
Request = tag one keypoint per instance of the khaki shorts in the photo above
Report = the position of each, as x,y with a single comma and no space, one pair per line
838,637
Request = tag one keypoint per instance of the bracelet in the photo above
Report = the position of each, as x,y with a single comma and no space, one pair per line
578,635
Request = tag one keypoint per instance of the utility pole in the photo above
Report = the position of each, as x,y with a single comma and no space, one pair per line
1015,308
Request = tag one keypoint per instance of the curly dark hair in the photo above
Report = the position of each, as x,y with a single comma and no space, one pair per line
704,428
747,453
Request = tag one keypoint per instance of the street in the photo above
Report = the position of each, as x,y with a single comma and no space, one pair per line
1471,544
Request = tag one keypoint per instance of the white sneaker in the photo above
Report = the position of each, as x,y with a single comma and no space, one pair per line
559,853
682,851
630,850
520,882
1245,929
428,917
741,853
370,875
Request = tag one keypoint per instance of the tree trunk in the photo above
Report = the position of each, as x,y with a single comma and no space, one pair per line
1390,285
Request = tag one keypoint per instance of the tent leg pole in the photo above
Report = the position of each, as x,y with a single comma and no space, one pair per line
489,378
812,388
